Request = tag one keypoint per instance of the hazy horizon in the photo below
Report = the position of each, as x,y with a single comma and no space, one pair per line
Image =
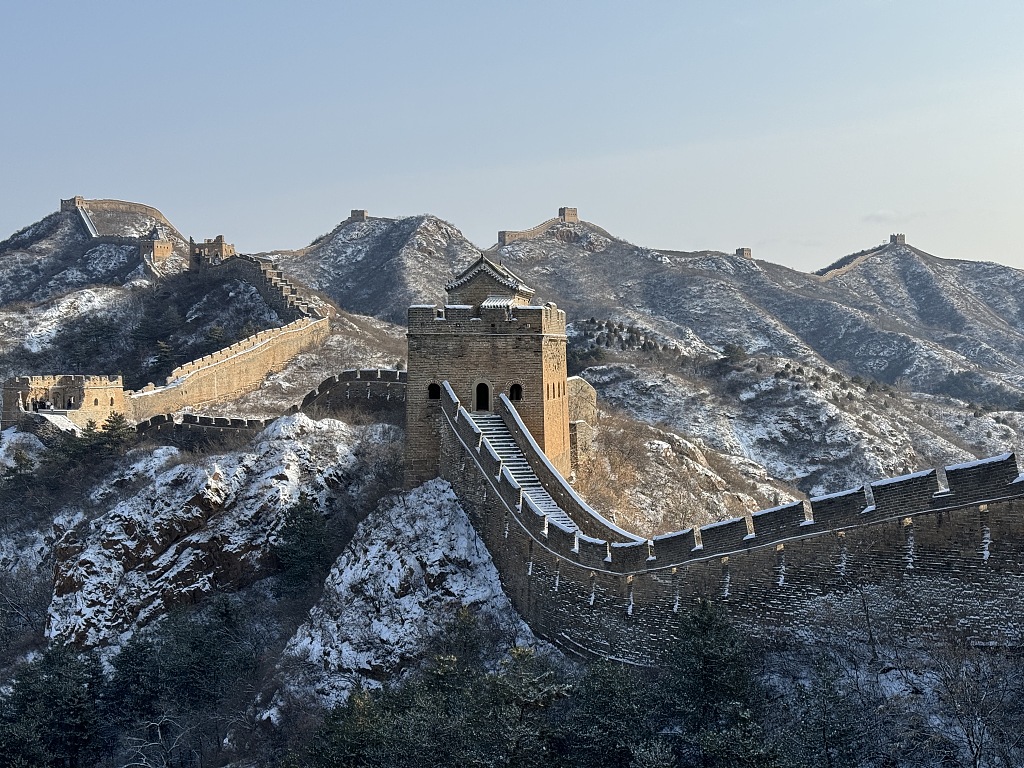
805,132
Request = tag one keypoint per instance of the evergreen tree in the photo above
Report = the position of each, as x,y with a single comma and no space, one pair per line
609,718
51,717
709,692
116,433
303,548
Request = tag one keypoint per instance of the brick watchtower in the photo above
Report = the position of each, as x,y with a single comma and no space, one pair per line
487,340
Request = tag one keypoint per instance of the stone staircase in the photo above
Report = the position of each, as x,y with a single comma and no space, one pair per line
513,459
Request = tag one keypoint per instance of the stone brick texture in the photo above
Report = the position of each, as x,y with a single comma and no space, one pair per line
222,375
922,560
356,386
468,346
92,398
229,372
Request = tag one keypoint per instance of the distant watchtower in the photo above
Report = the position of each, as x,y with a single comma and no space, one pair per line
210,251
487,340
899,239
155,246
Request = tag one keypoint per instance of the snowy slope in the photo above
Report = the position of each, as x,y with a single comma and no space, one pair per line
381,266
412,565
812,427
192,527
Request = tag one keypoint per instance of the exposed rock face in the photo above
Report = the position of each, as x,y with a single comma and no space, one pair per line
193,528
652,481
410,567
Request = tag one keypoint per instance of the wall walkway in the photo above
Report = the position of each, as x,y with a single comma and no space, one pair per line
87,222
906,554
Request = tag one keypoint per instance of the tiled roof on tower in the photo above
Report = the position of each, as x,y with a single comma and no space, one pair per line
496,271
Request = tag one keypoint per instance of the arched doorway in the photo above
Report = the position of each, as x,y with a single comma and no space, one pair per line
483,397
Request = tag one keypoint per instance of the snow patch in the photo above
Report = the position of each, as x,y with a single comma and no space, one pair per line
412,564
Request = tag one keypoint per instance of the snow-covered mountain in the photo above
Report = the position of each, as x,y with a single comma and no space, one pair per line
57,254
727,385
380,266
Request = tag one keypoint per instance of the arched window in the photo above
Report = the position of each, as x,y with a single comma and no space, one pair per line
95,401
434,391
515,392
111,402
483,397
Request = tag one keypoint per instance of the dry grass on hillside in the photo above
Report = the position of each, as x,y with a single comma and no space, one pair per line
652,481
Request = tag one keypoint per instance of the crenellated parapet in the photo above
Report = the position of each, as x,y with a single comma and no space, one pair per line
282,295
79,398
372,387
74,401
165,424
781,569
229,372
501,321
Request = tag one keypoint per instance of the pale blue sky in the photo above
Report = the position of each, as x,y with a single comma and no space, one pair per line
805,130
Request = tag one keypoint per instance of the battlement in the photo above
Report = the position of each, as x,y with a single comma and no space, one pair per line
213,250
593,589
744,253
72,203
898,239
372,386
228,372
510,320
164,424
75,379
78,397
978,482
268,278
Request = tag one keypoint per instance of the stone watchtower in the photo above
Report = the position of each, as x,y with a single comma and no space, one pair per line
155,246
487,340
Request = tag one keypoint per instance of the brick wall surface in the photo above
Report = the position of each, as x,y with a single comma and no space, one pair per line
935,561
499,349
370,385
229,372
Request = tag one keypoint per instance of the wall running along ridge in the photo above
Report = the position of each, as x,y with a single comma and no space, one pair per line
164,424
565,215
281,294
363,387
224,374
902,555
229,372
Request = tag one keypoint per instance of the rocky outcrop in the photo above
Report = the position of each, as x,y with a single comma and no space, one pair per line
192,527
411,566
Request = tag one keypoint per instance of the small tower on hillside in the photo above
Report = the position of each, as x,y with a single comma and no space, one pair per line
155,246
488,339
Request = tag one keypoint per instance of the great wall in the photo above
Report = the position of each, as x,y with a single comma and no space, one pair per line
922,558
928,554
565,216
71,402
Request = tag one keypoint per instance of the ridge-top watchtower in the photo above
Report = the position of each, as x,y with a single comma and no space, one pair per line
488,339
